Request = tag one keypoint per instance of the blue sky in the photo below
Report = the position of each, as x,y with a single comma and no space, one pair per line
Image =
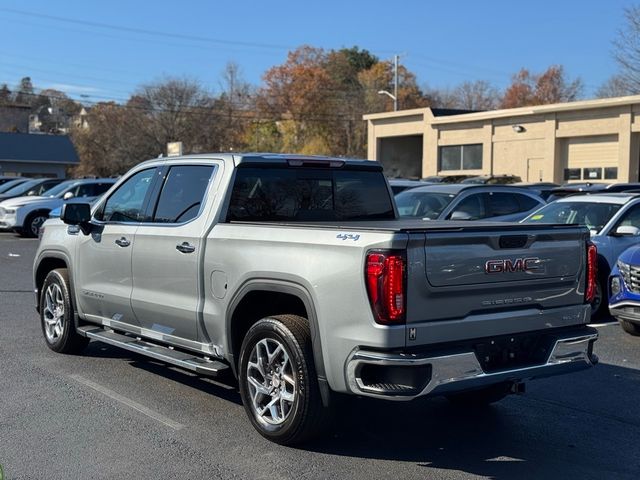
443,43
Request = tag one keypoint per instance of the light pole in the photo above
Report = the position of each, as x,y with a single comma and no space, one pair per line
393,96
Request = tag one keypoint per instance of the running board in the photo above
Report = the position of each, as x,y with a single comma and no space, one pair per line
201,365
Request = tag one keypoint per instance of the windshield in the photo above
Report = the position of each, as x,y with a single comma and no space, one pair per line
422,204
593,215
5,187
22,187
59,189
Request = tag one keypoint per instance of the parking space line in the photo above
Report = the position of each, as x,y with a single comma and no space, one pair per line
128,402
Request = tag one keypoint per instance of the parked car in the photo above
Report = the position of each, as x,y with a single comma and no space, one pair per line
299,280
624,289
25,215
4,179
446,178
609,218
12,183
543,189
493,179
569,189
35,187
400,184
468,202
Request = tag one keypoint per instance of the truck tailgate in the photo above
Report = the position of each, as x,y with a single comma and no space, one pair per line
496,274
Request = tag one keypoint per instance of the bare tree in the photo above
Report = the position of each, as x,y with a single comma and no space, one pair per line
627,50
615,86
478,95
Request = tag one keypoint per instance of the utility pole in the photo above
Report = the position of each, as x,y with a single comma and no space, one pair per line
395,82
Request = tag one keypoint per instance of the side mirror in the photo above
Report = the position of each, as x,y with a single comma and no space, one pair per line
460,215
68,195
627,231
77,214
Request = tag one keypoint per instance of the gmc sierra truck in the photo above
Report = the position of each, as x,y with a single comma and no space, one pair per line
295,274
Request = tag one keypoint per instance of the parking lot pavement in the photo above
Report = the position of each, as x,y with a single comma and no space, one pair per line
110,414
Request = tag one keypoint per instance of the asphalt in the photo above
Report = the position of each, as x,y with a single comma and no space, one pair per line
109,414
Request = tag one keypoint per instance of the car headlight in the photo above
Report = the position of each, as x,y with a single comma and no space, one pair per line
616,286
11,211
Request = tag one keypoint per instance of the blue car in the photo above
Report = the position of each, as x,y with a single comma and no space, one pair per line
624,290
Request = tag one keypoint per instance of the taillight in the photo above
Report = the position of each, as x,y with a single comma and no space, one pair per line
592,273
385,277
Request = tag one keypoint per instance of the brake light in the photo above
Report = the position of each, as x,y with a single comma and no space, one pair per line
592,272
385,277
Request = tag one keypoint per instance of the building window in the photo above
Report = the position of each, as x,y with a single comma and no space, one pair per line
611,173
461,157
572,174
592,173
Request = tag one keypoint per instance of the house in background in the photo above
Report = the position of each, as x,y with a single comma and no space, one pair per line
28,155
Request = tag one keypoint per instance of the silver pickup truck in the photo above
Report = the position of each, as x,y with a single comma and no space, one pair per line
295,274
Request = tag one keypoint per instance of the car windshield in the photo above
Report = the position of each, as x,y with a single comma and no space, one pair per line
5,187
592,214
59,189
22,187
427,205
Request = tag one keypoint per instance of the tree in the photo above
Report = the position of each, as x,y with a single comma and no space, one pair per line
5,94
24,94
627,50
235,103
478,95
615,86
550,86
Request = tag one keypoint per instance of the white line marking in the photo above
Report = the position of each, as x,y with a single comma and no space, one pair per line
129,403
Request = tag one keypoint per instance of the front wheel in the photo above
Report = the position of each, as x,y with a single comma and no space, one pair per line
33,223
278,380
56,314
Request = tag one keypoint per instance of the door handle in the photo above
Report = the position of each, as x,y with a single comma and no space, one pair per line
123,242
185,247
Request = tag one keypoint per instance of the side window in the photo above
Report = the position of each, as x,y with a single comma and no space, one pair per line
502,203
470,208
631,218
84,190
126,203
527,203
182,193
100,188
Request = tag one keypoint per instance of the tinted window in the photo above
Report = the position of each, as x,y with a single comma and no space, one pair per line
461,157
126,203
422,204
610,173
527,203
182,193
631,218
472,208
503,203
309,194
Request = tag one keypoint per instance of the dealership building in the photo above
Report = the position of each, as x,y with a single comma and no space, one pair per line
593,140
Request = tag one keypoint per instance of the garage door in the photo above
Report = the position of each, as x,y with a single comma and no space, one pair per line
591,158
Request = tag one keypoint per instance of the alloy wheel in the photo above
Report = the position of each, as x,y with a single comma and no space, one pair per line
53,313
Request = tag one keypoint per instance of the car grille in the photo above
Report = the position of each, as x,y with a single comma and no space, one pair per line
631,276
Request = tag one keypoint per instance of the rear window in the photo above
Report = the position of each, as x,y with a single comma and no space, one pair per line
593,215
309,195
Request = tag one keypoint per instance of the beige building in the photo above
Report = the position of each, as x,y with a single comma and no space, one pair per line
593,140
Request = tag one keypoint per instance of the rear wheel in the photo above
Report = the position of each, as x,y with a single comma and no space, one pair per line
482,396
278,380
599,304
630,327
56,314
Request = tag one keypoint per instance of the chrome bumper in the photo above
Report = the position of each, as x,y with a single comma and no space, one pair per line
462,371
626,310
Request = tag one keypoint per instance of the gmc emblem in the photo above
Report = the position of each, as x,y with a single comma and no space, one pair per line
518,265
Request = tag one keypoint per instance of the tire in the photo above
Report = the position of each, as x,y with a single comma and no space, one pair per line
57,314
600,306
278,381
33,223
481,397
630,327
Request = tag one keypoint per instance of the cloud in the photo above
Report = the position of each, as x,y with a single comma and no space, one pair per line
74,89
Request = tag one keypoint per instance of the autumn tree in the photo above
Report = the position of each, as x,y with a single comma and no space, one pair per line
550,86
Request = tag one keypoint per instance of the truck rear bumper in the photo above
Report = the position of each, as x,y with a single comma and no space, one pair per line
405,376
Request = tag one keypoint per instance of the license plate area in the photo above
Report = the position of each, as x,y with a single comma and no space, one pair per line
509,352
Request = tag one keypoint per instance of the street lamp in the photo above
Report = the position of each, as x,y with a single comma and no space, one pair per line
391,96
